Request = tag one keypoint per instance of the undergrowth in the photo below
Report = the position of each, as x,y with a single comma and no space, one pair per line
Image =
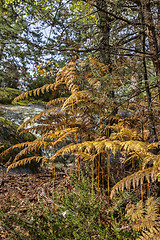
79,211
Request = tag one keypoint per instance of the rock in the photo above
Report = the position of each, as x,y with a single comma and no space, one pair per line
9,136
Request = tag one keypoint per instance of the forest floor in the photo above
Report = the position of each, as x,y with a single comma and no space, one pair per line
25,189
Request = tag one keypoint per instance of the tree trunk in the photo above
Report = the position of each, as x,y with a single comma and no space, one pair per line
152,129
104,25
153,38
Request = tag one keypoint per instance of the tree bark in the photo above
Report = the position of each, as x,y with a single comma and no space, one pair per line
104,25
153,38
152,128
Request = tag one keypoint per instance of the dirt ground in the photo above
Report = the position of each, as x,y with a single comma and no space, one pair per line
24,187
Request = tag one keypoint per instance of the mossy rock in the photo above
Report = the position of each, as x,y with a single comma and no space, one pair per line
8,94
9,137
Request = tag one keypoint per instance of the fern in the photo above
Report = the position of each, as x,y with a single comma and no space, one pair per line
84,118
34,92
145,218
28,160
150,174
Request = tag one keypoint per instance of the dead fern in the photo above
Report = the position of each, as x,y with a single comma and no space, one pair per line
84,119
145,217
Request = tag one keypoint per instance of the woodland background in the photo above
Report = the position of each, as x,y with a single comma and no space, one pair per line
97,64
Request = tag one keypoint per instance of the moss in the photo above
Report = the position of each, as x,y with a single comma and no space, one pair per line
8,94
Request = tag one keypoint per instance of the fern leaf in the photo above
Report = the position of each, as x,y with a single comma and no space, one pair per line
28,160
56,101
136,178
135,146
18,146
89,147
37,129
152,234
37,117
34,92
75,98
150,158
145,218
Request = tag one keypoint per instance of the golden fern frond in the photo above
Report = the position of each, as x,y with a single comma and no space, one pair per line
18,146
151,234
35,146
114,146
145,157
56,101
89,147
94,83
38,117
65,149
145,218
54,118
85,156
42,143
28,160
61,125
135,212
52,135
34,92
132,157
65,135
153,145
37,129
136,179
151,210
60,75
103,68
150,158
75,98
124,134
71,77
135,146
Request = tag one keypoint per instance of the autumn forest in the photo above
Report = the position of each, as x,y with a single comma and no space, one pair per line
94,65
